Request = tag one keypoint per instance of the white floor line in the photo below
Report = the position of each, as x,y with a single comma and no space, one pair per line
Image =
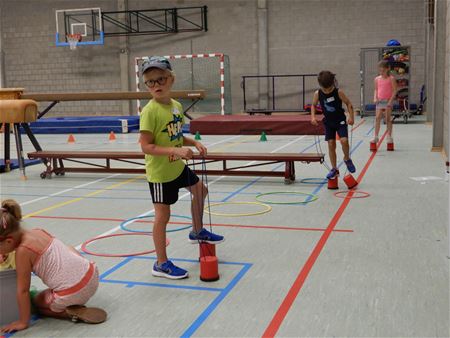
113,230
105,178
282,147
66,190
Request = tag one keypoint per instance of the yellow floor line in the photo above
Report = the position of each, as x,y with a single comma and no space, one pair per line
116,185
235,143
96,192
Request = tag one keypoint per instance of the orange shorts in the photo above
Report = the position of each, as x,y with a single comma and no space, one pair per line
79,294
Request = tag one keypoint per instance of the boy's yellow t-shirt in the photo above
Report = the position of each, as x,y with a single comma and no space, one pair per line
165,122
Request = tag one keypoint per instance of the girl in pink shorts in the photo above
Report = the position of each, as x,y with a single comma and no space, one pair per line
384,96
71,279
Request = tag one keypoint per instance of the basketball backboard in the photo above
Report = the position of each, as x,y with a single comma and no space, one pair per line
86,22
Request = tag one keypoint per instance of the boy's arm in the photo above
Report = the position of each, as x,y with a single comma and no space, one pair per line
193,143
187,141
148,147
349,105
313,107
394,91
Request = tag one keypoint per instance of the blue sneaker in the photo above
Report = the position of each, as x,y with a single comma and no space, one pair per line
350,166
169,270
333,174
205,236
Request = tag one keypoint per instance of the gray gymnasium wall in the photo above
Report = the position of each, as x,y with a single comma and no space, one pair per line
304,36
33,62
308,36
447,79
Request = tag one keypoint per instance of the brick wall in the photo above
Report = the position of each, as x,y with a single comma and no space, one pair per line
310,35
304,36
33,62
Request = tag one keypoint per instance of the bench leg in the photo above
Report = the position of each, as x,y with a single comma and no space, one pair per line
47,173
292,172
19,147
287,173
61,171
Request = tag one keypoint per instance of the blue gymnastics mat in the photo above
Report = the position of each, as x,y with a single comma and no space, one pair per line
88,125
85,124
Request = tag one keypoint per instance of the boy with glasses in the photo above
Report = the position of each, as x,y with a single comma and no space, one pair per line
163,143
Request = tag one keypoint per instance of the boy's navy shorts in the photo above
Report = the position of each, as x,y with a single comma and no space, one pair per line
331,130
167,193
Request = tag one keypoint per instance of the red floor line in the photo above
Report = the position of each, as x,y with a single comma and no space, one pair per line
293,292
272,227
358,125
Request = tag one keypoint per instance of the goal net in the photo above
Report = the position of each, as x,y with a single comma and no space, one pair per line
209,72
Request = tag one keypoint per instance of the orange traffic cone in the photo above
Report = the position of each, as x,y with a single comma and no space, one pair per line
112,136
71,139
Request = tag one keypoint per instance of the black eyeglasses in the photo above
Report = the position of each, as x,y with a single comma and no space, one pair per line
160,80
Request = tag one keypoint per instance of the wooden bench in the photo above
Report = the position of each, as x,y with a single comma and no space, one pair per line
55,163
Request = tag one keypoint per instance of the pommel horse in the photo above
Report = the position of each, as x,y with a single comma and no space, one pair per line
18,113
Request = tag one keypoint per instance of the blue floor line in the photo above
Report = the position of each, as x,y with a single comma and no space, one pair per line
186,260
215,303
174,286
370,131
321,185
115,267
130,284
240,190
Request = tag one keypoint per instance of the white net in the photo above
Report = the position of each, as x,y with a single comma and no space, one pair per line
199,73
73,40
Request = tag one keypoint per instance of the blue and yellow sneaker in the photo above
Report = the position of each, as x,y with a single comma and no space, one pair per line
205,236
169,270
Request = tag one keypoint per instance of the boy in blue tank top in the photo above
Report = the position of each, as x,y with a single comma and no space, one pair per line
335,120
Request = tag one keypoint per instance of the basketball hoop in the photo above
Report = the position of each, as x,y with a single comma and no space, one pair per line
73,40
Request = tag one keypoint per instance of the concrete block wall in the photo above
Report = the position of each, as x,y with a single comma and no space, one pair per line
232,30
304,36
311,35
447,82
33,62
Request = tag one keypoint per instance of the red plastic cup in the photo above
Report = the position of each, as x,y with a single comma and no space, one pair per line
350,181
207,249
333,184
209,269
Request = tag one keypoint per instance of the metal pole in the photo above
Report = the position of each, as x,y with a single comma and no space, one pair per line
2,55
273,92
243,91
303,89
448,159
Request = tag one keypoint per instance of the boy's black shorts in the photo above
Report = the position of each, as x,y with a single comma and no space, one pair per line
167,193
331,130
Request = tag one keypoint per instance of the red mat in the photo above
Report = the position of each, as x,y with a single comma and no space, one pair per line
255,125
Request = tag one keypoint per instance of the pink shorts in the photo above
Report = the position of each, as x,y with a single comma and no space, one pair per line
58,301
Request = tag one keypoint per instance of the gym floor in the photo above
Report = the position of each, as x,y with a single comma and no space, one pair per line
374,266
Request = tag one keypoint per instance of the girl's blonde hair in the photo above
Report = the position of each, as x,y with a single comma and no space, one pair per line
10,217
384,64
